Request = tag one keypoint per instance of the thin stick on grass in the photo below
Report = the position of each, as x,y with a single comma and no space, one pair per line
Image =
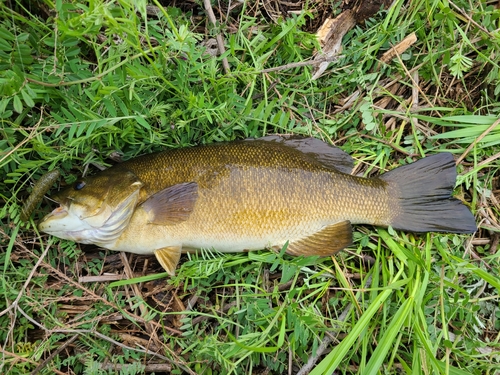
151,367
34,133
218,37
478,139
469,19
299,64
101,278
52,355
489,160
28,280
21,358
415,84
394,146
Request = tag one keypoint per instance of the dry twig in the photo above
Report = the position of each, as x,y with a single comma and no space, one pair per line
478,139
399,48
220,40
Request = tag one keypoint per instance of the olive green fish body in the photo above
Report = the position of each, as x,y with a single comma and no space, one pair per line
251,209
250,195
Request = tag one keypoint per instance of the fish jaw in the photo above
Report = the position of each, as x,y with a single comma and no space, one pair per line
103,229
65,224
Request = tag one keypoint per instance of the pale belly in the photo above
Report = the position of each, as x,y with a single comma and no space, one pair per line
147,239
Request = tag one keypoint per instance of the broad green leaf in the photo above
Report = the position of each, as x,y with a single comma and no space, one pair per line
27,98
18,105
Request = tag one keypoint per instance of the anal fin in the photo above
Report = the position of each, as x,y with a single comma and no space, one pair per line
168,257
326,242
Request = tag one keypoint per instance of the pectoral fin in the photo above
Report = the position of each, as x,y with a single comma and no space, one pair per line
172,205
168,257
326,242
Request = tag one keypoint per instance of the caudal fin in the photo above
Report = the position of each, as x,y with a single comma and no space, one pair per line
422,201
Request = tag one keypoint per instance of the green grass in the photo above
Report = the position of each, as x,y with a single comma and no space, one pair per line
81,82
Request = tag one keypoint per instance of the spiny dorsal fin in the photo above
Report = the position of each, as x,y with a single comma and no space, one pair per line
172,205
316,150
326,242
168,257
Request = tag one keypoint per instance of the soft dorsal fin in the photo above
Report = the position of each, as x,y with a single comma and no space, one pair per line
172,205
317,150
326,242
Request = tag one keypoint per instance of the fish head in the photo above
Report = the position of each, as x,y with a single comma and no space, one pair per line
95,209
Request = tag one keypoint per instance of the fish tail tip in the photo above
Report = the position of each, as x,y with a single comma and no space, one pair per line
421,197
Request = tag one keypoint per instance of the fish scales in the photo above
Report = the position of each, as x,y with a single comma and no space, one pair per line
262,190
250,195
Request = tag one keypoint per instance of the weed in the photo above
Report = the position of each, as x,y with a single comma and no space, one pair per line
85,84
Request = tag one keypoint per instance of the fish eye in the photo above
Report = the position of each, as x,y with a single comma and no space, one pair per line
79,185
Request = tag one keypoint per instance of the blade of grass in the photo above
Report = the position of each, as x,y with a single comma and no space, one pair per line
335,357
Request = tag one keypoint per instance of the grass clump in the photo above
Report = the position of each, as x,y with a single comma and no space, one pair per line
85,85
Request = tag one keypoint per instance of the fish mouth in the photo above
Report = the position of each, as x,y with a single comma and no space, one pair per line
102,228
62,223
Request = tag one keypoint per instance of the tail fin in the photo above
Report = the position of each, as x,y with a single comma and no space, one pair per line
422,197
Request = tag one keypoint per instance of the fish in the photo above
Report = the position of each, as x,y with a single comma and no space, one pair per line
253,194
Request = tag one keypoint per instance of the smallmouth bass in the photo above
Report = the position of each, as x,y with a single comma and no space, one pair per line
250,195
